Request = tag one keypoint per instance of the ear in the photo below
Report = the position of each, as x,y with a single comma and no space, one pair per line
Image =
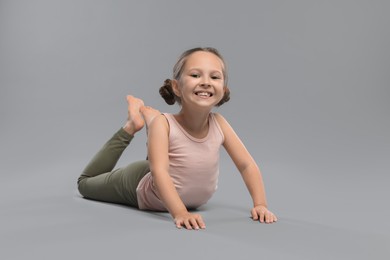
226,92
175,87
226,96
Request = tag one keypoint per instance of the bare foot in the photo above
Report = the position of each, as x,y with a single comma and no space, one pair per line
149,113
135,122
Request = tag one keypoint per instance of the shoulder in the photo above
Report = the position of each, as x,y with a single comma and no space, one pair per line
159,123
218,116
227,129
223,123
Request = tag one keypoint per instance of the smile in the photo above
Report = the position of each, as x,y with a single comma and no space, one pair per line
203,94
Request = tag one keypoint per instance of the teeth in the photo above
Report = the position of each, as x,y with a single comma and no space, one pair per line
203,94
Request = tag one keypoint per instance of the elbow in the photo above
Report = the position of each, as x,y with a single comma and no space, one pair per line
249,167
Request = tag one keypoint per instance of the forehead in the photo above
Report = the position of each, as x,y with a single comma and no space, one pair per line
203,59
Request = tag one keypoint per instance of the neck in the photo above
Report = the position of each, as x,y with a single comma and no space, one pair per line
195,122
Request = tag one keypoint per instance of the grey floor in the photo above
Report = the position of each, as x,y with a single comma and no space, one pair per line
327,218
310,100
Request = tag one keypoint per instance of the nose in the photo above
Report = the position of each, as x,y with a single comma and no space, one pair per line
206,82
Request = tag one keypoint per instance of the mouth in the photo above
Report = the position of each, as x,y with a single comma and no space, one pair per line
203,94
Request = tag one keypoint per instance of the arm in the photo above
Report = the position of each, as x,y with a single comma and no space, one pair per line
249,170
159,167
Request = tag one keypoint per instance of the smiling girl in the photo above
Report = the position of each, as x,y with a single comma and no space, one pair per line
182,169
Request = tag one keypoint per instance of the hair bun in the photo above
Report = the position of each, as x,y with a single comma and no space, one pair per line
166,92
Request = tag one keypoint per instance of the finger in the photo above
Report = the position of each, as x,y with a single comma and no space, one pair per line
194,223
178,223
201,223
272,218
254,214
187,224
268,218
262,216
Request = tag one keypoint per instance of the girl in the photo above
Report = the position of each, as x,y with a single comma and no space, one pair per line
181,169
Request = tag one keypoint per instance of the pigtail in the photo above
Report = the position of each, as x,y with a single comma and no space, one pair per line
225,98
166,92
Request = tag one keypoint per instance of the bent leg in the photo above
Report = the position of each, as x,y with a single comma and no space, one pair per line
118,186
98,180
106,159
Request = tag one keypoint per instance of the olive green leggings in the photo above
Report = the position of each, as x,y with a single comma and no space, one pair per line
100,182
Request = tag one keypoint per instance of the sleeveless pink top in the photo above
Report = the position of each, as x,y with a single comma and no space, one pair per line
193,167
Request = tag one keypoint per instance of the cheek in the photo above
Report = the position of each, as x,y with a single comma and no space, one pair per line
185,85
222,89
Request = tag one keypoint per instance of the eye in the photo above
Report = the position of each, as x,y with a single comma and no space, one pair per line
194,75
215,77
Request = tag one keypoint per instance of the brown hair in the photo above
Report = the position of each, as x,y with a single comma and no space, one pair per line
166,91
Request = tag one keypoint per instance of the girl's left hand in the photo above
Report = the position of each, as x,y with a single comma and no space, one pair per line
262,214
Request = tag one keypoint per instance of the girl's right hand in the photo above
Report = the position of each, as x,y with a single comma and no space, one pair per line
189,221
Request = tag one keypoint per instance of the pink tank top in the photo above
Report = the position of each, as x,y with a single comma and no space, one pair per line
193,167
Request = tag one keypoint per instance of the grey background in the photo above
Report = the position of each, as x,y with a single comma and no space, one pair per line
310,100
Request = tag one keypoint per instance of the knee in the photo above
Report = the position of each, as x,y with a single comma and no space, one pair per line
80,184
82,177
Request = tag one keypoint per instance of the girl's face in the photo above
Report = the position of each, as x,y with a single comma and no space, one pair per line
201,82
